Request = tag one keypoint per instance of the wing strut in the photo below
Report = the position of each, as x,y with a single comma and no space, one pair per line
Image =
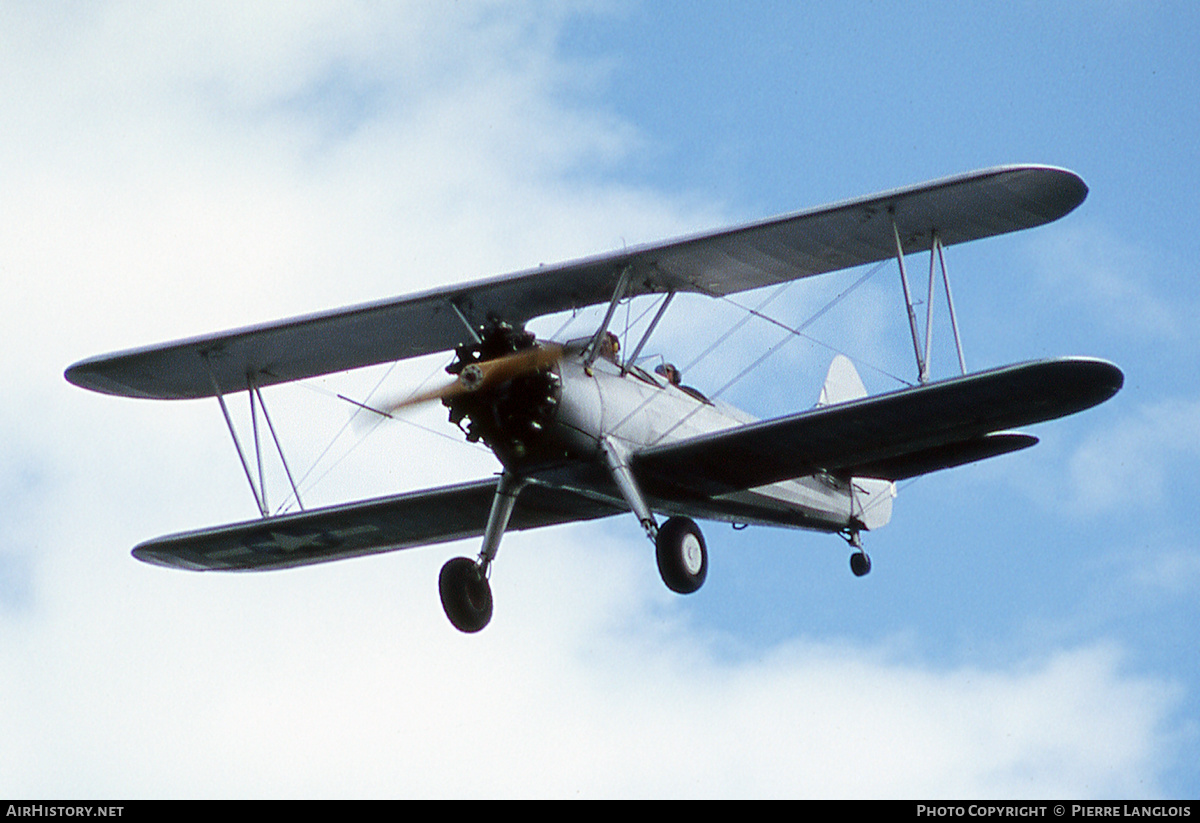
618,295
922,366
278,448
937,244
662,309
237,444
262,482
470,329
259,490
936,257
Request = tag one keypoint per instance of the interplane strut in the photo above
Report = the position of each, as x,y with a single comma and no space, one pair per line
258,490
924,352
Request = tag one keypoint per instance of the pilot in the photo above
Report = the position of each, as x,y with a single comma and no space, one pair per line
609,346
669,371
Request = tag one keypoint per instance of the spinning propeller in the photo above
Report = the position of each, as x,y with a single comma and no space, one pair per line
486,374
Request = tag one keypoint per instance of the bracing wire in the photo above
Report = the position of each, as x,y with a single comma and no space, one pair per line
792,334
799,330
704,354
360,408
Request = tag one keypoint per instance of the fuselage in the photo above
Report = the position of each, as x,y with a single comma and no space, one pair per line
637,410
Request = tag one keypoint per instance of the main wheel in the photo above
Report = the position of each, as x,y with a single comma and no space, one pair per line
682,555
466,595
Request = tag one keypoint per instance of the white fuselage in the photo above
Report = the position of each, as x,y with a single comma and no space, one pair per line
637,411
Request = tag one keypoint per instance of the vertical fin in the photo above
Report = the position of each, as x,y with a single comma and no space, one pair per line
871,499
842,383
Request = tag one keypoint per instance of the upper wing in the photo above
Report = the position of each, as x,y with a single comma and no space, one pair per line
892,436
367,527
966,207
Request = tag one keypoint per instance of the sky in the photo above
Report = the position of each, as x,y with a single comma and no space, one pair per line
1030,625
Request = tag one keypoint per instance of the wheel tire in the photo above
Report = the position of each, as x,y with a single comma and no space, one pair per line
860,563
682,555
466,595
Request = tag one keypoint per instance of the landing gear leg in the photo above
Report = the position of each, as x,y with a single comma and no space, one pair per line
463,583
860,563
678,544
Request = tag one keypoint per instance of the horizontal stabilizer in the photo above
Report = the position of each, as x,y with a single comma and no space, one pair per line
944,457
367,527
892,436
788,247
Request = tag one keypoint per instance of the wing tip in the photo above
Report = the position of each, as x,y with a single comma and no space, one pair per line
1068,189
1099,378
1057,190
147,554
85,375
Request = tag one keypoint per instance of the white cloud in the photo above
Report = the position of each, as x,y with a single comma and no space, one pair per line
1134,462
346,682
1174,571
1131,463
1081,264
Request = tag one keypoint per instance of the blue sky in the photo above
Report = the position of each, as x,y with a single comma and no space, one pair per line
1029,628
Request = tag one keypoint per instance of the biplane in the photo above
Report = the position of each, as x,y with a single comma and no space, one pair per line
582,431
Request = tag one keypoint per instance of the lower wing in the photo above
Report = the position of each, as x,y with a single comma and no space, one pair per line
890,436
367,527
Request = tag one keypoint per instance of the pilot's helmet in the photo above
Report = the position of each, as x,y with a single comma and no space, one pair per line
668,371
609,346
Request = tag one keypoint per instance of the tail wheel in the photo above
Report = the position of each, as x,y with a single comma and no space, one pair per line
466,595
682,555
860,563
